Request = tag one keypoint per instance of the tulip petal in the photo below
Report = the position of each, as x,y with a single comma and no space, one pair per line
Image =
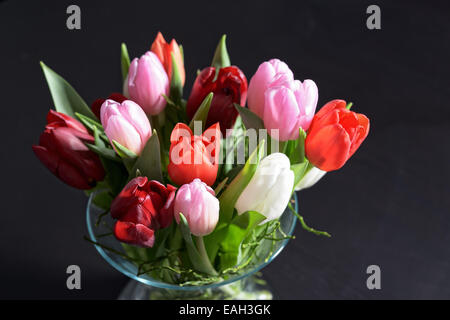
57,119
260,81
134,114
328,148
123,132
48,158
281,113
73,177
361,133
269,190
136,234
126,197
147,82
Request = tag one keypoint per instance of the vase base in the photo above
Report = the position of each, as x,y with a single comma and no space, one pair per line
251,288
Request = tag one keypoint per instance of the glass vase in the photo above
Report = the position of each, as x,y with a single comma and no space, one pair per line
247,285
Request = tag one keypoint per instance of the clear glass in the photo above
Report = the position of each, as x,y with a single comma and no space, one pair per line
246,285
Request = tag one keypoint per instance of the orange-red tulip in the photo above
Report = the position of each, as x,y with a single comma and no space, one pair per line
334,135
194,156
164,50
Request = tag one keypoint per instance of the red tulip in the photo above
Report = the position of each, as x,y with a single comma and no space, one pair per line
97,104
194,156
141,208
334,135
230,87
62,150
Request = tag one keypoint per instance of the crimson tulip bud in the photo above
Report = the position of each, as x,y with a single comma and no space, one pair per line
62,150
164,52
198,203
97,104
334,135
194,156
141,208
230,87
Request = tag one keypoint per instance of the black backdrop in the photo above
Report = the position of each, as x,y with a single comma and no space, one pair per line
388,206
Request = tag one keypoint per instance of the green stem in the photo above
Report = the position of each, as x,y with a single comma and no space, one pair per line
302,221
204,256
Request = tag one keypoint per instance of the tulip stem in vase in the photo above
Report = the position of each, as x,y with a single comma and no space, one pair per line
205,260
305,226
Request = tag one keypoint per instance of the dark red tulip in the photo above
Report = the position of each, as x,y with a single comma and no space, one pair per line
97,104
141,208
230,87
62,150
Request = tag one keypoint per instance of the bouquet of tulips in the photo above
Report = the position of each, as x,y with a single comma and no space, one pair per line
193,187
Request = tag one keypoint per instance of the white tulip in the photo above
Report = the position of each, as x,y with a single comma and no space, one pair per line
269,189
310,178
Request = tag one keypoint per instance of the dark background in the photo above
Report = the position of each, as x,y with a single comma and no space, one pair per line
388,206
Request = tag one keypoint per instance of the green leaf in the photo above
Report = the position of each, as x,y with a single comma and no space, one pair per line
116,175
196,259
108,153
103,200
115,171
228,199
202,112
176,85
221,58
149,162
88,122
230,147
295,149
299,169
123,152
124,60
128,156
181,51
231,194
220,186
238,230
250,119
65,98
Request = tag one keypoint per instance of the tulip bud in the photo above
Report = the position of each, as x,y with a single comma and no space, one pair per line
62,150
270,188
334,136
194,156
125,123
198,203
164,52
310,178
266,73
97,104
289,106
230,87
141,208
284,104
147,82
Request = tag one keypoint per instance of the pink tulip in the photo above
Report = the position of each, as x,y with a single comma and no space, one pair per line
198,203
126,123
260,81
147,82
289,105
